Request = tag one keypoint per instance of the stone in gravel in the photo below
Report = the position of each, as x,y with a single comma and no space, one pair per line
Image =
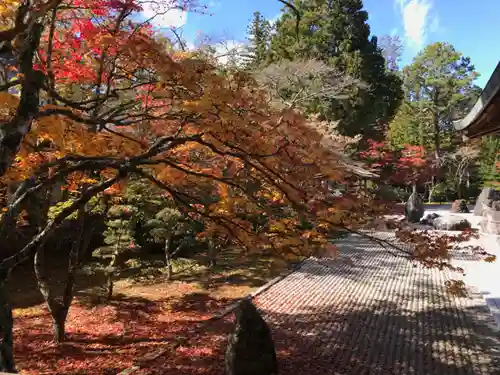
459,207
429,219
414,208
487,196
250,350
451,223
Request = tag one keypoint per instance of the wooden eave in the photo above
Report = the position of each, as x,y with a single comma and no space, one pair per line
484,118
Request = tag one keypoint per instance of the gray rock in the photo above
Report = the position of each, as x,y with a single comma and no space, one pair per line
451,223
250,349
429,219
414,208
459,207
487,196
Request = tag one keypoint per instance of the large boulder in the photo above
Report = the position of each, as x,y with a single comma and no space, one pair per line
414,208
451,223
490,222
250,350
485,199
459,207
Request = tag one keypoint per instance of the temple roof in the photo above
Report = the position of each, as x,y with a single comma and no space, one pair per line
484,117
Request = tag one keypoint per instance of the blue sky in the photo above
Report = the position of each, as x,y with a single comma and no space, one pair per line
472,27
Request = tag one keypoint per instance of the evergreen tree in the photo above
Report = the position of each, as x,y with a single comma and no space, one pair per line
337,32
489,160
259,34
120,236
440,80
410,126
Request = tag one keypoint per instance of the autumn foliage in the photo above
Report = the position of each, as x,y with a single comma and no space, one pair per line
98,100
407,166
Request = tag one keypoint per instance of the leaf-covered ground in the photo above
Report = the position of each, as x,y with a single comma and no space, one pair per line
107,338
148,314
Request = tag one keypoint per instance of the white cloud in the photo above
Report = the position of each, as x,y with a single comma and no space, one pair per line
417,20
162,14
394,31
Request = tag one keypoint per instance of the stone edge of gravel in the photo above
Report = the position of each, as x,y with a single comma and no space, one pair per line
140,363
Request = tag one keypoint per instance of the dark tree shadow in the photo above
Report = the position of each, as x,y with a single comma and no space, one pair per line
198,302
379,340
232,269
380,316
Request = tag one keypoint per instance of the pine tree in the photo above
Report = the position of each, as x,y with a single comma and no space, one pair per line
119,235
410,126
337,32
259,34
441,80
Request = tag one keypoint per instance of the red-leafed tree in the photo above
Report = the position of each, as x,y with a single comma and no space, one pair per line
408,166
412,167
379,157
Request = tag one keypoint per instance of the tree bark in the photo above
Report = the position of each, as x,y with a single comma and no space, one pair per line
59,327
12,133
59,309
55,308
7,362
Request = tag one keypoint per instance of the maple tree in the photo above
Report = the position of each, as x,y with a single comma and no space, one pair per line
413,166
408,166
99,100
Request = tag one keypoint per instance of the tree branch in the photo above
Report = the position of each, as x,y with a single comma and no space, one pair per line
297,16
10,84
8,263
13,132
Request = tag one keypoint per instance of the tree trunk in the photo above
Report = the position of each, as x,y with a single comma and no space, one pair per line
59,310
459,187
110,273
212,254
12,132
431,193
6,325
55,308
437,146
109,286
168,257
59,328
437,130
